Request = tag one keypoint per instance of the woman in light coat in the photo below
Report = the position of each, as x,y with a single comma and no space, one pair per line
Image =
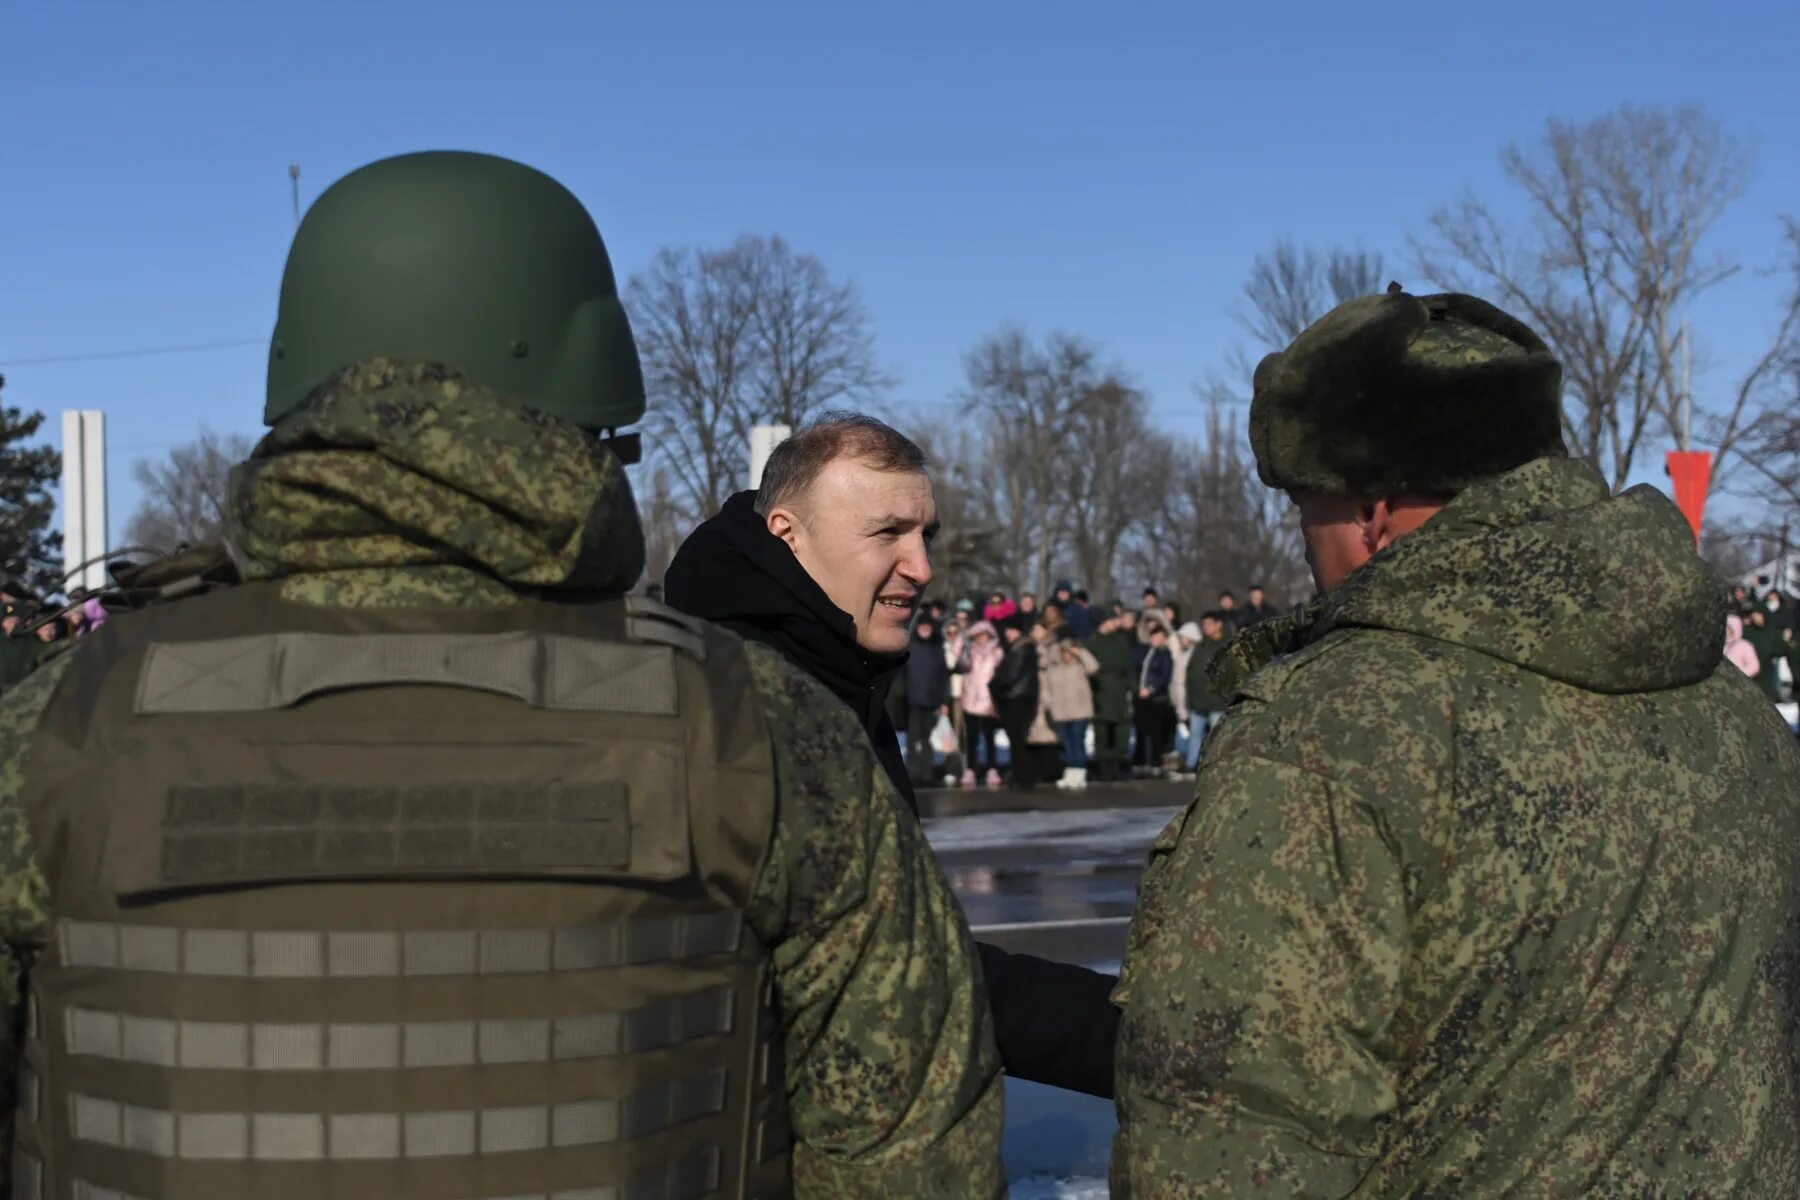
1069,704
981,656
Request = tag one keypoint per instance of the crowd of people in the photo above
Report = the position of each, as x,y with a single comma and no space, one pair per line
1079,691
1760,634
28,631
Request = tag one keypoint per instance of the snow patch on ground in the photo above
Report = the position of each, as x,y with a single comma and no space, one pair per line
1060,1189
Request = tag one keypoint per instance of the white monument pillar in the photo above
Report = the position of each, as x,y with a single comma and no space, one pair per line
763,440
84,498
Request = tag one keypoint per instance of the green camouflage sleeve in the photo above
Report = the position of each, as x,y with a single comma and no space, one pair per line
1262,972
24,897
893,1077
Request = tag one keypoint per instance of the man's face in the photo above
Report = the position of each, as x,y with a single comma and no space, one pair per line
1128,620
864,536
1211,629
1256,597
1010,633
1028,603
1158,637
925,629
1756,618
9,616
964,618
1227,602
1063,597
1149,601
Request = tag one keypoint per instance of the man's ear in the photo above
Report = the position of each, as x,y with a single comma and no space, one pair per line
784,524
1372,517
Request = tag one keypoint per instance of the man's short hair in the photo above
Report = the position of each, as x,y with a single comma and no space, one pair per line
1226,596
1257,587
796,463
1214,614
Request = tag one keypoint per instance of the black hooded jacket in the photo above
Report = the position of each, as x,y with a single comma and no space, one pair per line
1054,1022
732,570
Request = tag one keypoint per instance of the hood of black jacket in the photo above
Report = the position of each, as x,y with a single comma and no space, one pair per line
732,570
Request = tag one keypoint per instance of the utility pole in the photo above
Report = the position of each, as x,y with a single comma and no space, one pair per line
294,185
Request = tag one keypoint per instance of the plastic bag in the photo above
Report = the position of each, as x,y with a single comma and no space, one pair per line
943,736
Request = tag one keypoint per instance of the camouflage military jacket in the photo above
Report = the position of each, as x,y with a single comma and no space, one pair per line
1491,884
402,485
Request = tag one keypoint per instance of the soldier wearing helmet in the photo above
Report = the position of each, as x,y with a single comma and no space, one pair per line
426,863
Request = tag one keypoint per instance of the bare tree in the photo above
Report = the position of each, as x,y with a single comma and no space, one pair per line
1212,525
732,338
1292,286
1765,411
1115,461
1035,398
184,496
1612,256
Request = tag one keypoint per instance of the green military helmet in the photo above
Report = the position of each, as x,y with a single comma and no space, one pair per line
476,262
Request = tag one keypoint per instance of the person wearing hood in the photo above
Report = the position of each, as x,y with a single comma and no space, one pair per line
1015,689
1075,612
1738,651
452,868
826,562
1491,881
981,655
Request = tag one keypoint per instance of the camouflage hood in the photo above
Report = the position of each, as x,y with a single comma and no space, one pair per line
1543,568
405,483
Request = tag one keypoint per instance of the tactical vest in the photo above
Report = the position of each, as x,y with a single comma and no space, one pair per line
410,904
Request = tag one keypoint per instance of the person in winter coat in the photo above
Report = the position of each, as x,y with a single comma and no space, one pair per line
1028,613
927,698
1770,647
1015,689
981,657
1205,704
1112,649
1187,637
999,611
1739,652
1491,881
1069,703
1259,609
809,586
1155,714
1075,611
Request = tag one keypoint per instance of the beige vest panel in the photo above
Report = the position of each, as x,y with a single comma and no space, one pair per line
428,905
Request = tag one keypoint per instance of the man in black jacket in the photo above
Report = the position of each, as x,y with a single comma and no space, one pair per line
927,678
826,562
1015,690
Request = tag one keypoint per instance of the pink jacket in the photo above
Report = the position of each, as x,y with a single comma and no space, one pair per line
1738,652
982,658
1002,611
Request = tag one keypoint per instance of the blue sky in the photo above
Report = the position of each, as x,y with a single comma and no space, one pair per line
1110,170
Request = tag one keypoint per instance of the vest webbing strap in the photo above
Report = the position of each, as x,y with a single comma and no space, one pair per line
238,1046
303,954
687,1178
314,1136
275,670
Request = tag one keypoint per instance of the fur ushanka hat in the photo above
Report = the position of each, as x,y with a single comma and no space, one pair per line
1401,393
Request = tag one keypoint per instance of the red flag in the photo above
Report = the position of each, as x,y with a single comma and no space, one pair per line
1690,471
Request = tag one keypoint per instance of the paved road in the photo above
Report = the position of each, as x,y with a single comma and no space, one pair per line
1053,874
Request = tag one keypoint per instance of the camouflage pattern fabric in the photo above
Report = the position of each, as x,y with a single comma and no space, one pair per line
1490,886
404,483
400,485
893,1075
